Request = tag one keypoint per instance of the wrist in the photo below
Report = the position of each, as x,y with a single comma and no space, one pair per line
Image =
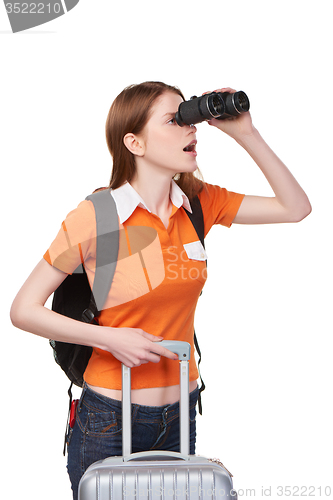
246,140
103,337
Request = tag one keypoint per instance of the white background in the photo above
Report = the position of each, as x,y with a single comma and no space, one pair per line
264,319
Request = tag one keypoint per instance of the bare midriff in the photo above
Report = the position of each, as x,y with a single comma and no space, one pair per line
150,396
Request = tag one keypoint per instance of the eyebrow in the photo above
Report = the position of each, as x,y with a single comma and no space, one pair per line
169,114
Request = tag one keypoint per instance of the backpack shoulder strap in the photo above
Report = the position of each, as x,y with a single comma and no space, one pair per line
197,219
107,247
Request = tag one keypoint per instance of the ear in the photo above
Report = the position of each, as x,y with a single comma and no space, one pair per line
134,144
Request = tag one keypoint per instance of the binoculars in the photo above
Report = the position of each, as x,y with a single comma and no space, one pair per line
218,105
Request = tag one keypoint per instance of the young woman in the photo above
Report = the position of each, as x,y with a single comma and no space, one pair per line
160,270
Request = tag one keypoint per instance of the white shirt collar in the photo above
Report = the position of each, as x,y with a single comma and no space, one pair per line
127,200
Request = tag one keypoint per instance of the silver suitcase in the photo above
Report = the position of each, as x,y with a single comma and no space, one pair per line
157,475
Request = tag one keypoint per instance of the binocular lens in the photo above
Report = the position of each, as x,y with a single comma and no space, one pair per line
242,102
214,105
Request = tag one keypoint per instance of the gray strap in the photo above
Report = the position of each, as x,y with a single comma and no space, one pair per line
107,244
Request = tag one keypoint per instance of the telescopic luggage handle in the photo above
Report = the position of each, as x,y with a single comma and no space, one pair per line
183,351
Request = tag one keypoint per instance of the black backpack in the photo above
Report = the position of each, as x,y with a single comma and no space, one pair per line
74,297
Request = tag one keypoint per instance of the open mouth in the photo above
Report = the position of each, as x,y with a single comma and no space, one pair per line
190,148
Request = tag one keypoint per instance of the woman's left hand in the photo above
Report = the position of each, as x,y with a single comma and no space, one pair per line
236,127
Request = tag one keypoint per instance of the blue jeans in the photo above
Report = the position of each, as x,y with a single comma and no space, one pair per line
97,433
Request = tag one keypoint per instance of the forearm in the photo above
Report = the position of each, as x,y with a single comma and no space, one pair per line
43,322
131,346
287,190
290,203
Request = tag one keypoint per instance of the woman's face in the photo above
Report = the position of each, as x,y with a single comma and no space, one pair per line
165,141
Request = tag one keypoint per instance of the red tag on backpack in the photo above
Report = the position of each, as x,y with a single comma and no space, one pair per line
72,415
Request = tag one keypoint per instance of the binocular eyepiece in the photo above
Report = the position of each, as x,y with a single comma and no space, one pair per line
218,105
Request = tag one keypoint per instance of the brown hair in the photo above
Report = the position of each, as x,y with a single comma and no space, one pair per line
129,113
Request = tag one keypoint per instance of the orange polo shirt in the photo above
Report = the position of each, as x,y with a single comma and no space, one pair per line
159,275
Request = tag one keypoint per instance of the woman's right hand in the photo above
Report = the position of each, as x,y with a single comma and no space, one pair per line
133,346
